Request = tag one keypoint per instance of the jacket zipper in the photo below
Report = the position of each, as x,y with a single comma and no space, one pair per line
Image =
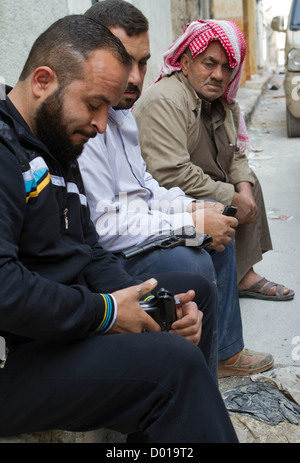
66,210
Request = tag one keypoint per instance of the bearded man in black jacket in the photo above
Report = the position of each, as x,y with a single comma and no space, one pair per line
82,353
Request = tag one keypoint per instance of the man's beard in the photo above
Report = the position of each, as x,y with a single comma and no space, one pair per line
53,132
128,103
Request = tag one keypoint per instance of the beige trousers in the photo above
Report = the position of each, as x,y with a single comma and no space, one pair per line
253,240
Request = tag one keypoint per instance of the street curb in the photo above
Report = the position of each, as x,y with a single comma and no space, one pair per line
248,96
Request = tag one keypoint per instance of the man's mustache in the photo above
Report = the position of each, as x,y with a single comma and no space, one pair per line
218,83
131,88
91,134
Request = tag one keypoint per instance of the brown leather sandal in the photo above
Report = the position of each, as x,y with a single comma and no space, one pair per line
261,289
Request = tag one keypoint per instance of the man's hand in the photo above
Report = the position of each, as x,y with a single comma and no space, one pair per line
243,199
189,318
131,318
220,227
199,205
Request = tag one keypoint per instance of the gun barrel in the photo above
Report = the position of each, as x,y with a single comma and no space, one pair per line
155,244
166,242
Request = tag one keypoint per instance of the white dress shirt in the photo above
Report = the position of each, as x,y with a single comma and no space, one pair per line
128,206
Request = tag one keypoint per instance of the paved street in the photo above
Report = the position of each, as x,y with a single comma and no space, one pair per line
271,326
274,326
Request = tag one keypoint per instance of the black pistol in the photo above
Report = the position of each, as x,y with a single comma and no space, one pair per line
162,309
199,241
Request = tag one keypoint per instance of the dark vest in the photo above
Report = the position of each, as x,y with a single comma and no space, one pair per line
213,153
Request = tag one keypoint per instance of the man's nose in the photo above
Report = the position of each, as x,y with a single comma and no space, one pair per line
134,75
99,120
217,73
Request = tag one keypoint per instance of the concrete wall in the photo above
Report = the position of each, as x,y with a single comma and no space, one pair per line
239,12
183,12
158,13
22,21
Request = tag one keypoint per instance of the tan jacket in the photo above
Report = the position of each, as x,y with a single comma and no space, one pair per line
168,117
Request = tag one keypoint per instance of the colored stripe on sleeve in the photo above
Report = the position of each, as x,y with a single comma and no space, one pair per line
110,314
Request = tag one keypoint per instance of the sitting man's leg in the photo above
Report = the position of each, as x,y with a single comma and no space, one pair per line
178,282
220,269
196,265
252,241
155,384
230,332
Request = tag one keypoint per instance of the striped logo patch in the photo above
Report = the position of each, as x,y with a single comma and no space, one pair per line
36,178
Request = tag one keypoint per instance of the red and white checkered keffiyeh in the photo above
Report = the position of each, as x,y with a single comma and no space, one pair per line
197,36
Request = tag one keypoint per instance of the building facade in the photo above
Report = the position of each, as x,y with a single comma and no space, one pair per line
21,21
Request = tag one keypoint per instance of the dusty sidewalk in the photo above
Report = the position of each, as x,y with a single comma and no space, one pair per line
272,326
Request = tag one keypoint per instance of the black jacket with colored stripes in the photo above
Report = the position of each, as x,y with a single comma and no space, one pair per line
51,266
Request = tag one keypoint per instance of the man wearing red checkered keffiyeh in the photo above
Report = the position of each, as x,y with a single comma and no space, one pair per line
197,36
193,135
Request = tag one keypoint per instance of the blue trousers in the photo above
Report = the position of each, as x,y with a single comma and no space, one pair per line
216,267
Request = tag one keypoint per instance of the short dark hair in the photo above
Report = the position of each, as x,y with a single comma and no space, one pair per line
117,13
67,43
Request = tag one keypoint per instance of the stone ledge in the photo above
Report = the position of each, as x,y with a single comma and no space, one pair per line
101,436
251,431
249,95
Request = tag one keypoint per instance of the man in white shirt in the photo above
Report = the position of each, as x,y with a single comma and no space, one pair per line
130,208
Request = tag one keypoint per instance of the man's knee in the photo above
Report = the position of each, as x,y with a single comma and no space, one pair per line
194,260
173,354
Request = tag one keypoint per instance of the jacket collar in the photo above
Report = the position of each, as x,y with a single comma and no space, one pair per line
8,109
10,113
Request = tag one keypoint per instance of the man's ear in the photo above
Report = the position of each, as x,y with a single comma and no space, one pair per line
43,81
185,64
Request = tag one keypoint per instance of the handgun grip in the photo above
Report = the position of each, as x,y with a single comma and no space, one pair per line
172,242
